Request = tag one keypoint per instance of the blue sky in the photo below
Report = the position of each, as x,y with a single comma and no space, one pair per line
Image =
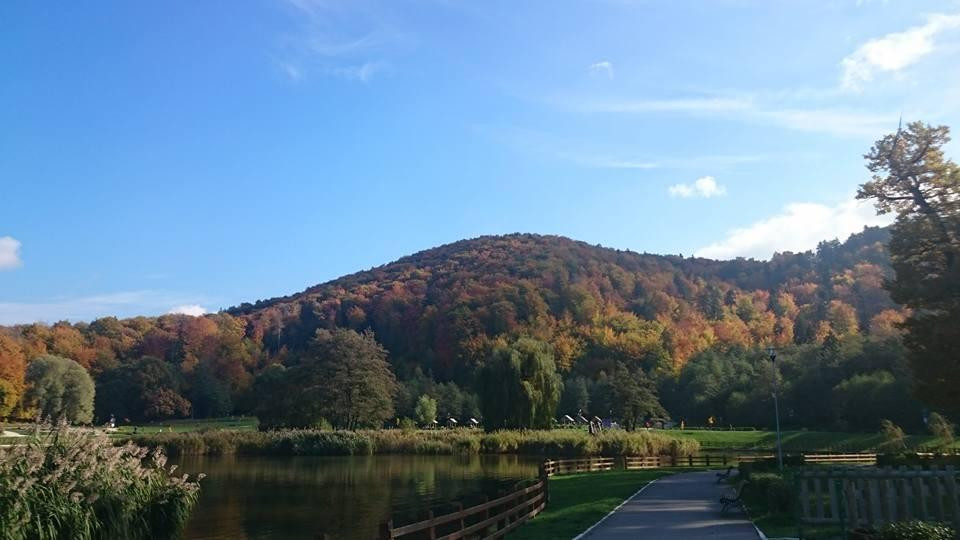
188,155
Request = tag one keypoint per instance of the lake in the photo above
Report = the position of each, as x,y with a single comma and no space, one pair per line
345,497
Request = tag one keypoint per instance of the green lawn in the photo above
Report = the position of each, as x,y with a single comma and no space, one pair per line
827,441
238,423
577,501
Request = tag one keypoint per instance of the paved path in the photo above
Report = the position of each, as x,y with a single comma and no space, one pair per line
674,507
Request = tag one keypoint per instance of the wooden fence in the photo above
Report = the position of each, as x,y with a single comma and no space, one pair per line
488,520
861,458
657,462
571,466
857,497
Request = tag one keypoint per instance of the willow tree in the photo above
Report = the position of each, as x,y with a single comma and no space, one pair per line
520,386
59,389
913,179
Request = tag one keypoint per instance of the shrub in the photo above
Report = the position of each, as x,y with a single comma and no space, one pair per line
75,484
941,428
916,530
893,437
776,490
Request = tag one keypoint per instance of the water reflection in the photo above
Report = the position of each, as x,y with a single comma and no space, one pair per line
345,497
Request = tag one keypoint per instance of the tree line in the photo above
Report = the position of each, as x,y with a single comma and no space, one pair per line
519,328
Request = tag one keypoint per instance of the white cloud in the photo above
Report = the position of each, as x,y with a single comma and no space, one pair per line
801,226
193,310
895,51
705,187
9,253
85,308
604,67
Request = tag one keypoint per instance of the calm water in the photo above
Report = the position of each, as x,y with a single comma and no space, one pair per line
345,497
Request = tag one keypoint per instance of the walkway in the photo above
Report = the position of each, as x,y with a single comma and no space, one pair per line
679,506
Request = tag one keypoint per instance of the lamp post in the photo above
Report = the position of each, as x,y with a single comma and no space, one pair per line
772,353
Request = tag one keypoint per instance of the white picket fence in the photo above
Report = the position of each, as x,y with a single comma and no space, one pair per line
859,497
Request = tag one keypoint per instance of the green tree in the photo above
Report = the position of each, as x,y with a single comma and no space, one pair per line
60,388
275,398
426,410
913,179
519,386
210,395
634,397
148,389
575,396
345,378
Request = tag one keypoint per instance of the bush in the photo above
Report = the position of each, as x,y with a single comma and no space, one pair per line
75,484
774,489
916,530
893,437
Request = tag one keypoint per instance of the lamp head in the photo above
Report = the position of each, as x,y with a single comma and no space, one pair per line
772,353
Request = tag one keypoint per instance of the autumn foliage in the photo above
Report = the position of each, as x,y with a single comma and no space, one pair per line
440,313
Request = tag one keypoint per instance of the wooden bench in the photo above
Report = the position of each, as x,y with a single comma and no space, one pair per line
724,476
736,501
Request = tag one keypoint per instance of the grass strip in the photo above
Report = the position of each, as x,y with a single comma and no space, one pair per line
577,501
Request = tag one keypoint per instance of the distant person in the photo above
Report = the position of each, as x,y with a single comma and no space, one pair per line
683,425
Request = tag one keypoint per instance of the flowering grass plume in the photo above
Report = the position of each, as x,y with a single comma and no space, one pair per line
74,483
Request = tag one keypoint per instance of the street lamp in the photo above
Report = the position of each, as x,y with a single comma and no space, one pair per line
772,353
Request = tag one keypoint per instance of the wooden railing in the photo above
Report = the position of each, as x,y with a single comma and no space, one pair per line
491,519
820,458
657,462
863,458
552,467
868,497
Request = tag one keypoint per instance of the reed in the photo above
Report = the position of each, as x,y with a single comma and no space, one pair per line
73,483
547,443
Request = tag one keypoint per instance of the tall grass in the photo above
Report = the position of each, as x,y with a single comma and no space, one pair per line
70,483
456,441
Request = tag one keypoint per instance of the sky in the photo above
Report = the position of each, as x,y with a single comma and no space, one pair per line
189,156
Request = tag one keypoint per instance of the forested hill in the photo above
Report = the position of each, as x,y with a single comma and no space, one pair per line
442,308
439,313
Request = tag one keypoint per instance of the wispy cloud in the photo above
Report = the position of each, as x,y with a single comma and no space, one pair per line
843,122
704,188
586,153
895,51
85,308
363,72
336,39
9,253
799,227
559,148
688,105
602,68
835,121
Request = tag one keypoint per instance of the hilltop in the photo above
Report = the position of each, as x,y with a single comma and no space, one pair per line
438,308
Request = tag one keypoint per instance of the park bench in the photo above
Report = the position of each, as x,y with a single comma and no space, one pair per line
736,501
724,476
